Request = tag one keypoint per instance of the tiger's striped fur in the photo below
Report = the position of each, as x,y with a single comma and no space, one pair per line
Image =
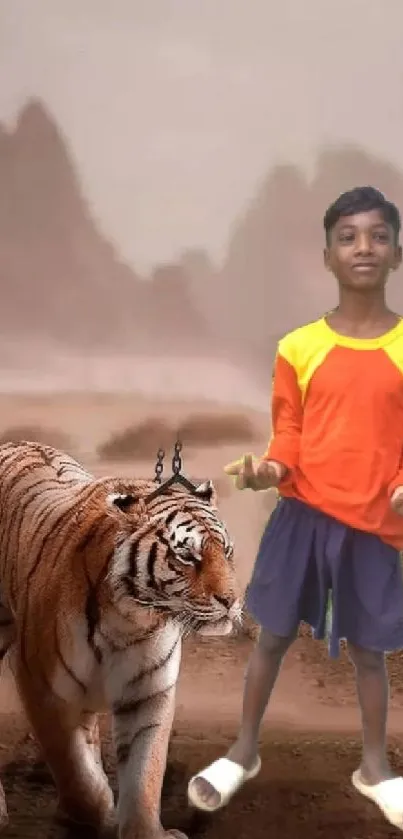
97,587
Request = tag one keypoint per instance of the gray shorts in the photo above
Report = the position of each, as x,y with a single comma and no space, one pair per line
305,556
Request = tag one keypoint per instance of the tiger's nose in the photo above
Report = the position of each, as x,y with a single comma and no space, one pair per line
232,606
224,601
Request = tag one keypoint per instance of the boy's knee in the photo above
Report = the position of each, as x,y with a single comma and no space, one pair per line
366,659
275,645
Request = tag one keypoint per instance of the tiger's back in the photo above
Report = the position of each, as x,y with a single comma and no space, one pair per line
38,486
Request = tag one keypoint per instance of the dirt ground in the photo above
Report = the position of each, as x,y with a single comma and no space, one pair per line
310,740
309,746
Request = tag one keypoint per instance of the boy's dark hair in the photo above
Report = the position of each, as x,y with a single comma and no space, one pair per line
361,199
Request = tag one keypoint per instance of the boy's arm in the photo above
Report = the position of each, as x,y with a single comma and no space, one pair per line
282,453
286,412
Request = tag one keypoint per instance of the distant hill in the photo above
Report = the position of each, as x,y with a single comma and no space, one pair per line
61,281
63,285
273,277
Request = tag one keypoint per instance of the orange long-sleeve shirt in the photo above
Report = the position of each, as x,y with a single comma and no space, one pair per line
337,423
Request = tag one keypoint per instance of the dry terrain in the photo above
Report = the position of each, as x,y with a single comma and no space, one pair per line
310,744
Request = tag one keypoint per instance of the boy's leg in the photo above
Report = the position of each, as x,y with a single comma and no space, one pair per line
368,612
263,668
284,589
373,694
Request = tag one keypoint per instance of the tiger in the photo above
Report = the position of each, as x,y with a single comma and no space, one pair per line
99,583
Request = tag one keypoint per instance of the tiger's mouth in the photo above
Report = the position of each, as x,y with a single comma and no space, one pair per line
191,618
222,626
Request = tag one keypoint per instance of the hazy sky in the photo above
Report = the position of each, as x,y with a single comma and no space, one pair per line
176,109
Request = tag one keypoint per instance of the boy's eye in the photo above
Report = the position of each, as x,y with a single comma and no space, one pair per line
377,236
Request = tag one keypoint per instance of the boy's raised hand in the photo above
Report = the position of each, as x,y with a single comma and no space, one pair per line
251,473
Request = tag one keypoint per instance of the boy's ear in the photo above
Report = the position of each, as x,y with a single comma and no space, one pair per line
398,258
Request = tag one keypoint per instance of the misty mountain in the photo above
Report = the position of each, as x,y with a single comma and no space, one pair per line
61,280
273,274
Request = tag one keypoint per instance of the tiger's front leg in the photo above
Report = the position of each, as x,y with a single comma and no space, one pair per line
143,707
72,754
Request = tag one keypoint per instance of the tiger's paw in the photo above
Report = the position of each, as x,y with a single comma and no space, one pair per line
162,834
100,817
3,810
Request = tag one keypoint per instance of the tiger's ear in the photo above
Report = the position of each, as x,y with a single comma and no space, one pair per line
207,492
123,501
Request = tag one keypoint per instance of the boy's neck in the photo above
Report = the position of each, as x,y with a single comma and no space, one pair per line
363,308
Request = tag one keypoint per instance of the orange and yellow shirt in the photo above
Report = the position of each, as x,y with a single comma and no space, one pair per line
337,424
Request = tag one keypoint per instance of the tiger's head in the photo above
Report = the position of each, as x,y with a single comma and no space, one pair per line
174,555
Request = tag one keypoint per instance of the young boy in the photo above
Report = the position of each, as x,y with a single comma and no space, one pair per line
336,456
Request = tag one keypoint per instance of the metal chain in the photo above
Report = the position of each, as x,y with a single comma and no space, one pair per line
159,467
176,460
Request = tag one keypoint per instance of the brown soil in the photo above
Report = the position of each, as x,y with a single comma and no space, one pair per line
311,739
310,746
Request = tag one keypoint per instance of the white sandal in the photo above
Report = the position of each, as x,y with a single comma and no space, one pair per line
388,795
226,778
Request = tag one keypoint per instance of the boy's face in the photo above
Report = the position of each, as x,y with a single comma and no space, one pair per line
362,251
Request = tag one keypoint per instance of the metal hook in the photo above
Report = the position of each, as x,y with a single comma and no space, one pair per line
176,477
